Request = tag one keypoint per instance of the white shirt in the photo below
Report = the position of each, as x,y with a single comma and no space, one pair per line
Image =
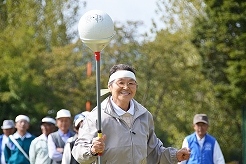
218,157
127,116
120,111
53,153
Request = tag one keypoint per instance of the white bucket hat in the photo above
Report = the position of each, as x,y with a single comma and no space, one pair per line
8,124
63,113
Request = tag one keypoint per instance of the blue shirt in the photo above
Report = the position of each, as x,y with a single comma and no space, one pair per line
53,153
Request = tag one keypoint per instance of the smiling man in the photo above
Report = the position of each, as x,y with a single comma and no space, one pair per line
204,147
128,128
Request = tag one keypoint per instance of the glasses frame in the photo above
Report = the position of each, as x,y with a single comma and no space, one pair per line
128,84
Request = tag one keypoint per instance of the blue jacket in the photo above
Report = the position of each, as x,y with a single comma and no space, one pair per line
13,155
1,139
204,156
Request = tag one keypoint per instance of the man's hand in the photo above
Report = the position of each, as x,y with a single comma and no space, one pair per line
98,144
183,154
59,149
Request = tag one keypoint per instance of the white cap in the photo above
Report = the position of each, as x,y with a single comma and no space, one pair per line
63,113
80,117
49,120
22,117
8,124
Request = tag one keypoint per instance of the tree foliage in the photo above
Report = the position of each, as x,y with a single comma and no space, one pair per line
218,34
28,30
219,37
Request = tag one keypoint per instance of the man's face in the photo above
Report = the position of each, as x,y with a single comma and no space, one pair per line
123,90
63,124
47,128
22,125
201,129
8,132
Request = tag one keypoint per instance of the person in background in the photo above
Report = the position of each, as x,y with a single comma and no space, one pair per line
13,154
38,152
204,147
127,126
57,140
8,128
67,157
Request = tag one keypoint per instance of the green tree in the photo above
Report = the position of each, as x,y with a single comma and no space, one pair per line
172,87
28,29
219,37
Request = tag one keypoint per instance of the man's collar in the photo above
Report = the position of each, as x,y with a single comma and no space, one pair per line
200,139
16,135
62,134
120,111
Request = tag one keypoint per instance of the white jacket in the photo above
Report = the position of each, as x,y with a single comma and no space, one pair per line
137,145
38,151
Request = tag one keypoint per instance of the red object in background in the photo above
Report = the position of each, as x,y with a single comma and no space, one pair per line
89,66
88,106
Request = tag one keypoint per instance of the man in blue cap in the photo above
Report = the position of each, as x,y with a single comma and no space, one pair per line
67,154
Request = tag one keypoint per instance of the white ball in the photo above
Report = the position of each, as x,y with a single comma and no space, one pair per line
95,24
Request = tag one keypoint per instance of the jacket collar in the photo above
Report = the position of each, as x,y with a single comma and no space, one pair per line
16,135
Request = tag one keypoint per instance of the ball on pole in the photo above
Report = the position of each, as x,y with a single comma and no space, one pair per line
95,24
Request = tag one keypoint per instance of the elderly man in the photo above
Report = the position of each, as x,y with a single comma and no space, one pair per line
38,151
128,128
17,149
204,147
58,139
8,128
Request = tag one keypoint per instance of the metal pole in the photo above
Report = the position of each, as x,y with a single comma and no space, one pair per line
97,57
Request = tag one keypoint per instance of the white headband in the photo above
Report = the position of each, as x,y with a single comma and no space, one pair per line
22,117
121,74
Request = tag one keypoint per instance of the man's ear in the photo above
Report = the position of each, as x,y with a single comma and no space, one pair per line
110,88
194,126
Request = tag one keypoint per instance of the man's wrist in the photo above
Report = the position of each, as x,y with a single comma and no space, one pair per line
93,153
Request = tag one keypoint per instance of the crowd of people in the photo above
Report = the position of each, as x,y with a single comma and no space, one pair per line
128,134
18,146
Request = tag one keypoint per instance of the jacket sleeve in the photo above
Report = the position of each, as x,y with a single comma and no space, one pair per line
66,158
218,156
7,152
32,152
81,150
185,144
157,153
53,153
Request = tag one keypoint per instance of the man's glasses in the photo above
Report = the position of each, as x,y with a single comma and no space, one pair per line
122,84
